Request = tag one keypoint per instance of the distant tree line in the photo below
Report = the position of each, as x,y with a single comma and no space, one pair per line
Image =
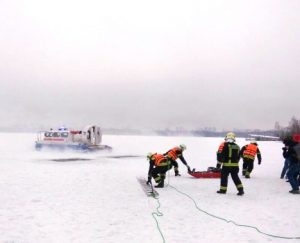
287,132
211,132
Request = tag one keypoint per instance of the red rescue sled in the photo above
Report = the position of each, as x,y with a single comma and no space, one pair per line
211,172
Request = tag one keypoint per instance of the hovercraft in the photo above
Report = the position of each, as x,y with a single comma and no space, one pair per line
87,139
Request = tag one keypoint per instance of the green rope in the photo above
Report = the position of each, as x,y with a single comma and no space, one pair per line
230,221
158,214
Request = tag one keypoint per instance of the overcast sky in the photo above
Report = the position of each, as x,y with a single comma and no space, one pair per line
149,64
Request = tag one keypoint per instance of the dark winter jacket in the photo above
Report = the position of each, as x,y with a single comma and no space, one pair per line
290,153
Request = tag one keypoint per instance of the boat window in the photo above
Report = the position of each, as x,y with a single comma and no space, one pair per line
56,134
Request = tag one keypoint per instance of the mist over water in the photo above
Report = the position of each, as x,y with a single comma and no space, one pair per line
195,64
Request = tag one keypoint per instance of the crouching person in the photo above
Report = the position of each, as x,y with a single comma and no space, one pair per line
158,166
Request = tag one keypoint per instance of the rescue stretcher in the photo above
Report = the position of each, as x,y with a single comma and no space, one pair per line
211,172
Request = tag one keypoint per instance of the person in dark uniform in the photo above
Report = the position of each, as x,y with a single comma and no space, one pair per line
228,157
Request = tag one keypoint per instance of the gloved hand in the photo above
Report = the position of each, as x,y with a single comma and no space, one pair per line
218,170
149,181
259,162
189,168
218,166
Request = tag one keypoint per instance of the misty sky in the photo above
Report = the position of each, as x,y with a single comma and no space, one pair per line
149,64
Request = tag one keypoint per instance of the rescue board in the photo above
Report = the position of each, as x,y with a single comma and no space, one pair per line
148,189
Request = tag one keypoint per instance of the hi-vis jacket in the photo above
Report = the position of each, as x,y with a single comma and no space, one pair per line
157,160
228,154
175,153
249,151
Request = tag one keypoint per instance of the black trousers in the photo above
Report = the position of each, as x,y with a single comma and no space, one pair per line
159,173
175,164
248,165
234,172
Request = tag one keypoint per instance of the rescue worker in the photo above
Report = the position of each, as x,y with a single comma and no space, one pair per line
228,157
248,153
158,166
175,153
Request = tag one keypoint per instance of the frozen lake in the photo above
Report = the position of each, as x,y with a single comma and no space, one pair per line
94,197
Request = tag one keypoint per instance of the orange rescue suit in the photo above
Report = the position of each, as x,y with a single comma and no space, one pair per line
174,152
250,151
158,158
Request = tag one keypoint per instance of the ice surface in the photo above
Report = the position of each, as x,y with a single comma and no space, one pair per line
95,197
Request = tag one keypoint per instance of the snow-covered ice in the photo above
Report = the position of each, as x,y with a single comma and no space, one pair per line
95,197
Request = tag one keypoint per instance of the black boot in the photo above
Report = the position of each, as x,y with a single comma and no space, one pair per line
240,193
221,191
160,185
177,173
294,191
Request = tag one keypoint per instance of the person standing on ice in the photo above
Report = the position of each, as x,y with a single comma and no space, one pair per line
228,157
158,166
248,153
290,154
175,153
286,161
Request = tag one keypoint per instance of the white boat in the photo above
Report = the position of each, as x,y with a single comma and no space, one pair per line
87,139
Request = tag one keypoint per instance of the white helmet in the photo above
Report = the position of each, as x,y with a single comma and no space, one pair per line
230,137
149,155
253,141
182,146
